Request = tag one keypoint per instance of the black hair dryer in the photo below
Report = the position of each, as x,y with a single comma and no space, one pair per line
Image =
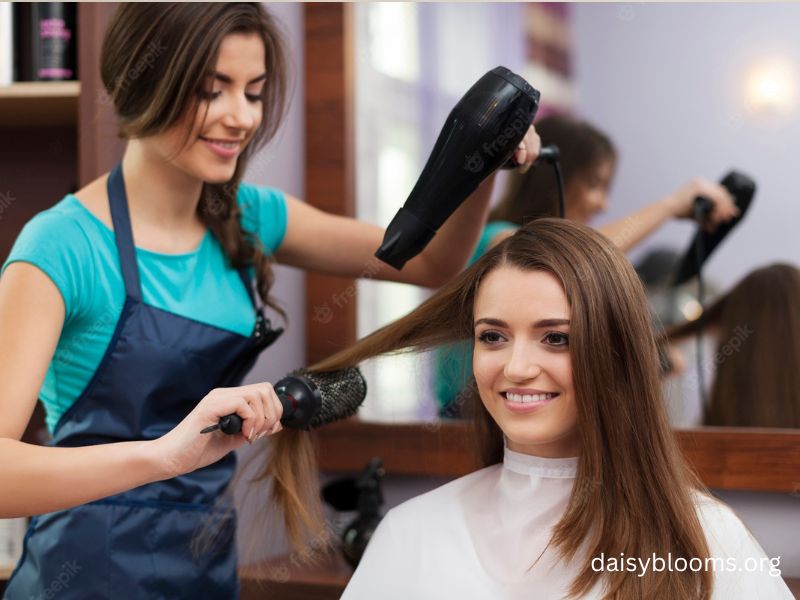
364,495
481,134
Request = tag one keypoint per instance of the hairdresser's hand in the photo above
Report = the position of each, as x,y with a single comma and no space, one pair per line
185,449
528,150
676,360
681,202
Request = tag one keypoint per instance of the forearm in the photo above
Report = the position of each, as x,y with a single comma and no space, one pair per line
39,479
625,233
454,243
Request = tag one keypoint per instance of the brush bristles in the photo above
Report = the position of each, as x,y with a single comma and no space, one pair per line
342,392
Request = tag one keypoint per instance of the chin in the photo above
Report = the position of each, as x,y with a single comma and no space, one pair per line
218,174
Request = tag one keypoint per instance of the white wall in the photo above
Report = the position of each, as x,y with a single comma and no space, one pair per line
665,81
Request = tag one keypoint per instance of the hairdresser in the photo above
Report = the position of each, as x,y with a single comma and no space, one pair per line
128,309
588,161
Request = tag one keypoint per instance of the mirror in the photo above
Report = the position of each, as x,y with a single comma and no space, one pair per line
673,112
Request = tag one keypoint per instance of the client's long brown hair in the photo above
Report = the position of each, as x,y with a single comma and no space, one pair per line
633,491
757,358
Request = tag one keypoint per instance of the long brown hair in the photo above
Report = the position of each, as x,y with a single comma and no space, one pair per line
633,492
757,358
155,59
534,194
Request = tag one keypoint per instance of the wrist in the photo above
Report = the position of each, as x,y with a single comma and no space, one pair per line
671,206
155,462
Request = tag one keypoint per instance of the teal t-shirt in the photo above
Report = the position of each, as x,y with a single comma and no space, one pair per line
78,252
453,362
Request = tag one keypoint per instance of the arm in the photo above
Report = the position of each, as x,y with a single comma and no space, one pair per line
45,479
334,245
629,231
346,247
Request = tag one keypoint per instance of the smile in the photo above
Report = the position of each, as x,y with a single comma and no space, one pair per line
224,149
528,398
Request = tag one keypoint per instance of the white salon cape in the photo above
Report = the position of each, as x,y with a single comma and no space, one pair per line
476,538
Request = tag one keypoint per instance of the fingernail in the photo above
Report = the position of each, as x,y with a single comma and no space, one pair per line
521,146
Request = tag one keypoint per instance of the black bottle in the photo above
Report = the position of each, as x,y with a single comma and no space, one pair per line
45,40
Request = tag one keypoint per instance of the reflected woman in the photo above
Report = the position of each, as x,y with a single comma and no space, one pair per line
757,355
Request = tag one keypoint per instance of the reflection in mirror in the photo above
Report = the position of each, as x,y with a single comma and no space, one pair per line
705,117
413,63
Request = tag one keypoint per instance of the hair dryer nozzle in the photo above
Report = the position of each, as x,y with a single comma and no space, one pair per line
405,237
480,134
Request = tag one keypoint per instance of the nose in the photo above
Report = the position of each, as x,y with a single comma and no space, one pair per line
239,113
522,365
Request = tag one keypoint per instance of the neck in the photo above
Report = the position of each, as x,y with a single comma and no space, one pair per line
159,193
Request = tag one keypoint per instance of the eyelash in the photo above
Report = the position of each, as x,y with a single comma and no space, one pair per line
212,95
482,338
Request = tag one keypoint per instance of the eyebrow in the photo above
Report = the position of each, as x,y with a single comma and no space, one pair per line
227,79
538,325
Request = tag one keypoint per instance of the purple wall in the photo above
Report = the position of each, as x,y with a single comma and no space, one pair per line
665,80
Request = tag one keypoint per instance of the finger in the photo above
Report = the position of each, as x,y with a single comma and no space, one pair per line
254,400
272,408
219,407
276,403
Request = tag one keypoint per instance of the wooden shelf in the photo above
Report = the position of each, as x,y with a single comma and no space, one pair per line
282,578
725,457
39,104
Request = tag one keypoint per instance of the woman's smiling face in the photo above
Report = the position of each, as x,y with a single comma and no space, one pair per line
522,362
233,99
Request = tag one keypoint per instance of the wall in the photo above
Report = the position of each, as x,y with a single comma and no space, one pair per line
665,80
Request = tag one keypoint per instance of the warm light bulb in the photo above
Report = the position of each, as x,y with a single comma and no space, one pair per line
771,87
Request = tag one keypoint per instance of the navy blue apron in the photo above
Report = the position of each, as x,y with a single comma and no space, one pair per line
138,544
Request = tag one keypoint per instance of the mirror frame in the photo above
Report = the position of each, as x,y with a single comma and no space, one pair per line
726,458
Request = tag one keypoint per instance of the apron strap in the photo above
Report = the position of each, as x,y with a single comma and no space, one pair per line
123,234
248,285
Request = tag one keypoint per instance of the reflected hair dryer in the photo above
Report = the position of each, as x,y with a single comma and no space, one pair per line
742,188
481,134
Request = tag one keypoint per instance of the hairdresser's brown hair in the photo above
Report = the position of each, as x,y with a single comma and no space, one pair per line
534,194
757,358
633,493
156,58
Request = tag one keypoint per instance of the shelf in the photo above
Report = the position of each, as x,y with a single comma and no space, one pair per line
725,458
287,578
39,104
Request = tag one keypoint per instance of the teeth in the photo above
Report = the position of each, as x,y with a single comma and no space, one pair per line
528,398
226,145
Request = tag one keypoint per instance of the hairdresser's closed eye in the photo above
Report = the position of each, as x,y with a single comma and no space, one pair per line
206,95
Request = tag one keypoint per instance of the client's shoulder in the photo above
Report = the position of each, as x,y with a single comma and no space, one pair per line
442,501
